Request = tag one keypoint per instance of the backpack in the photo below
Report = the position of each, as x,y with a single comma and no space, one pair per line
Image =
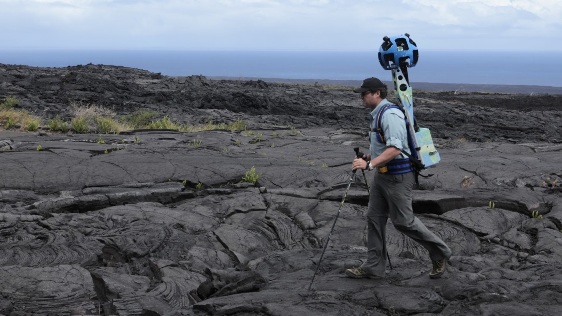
423,152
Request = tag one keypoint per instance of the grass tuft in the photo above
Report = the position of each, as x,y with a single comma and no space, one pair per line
92,117
79,125
164,123
140,118
88,118
58,125
251,176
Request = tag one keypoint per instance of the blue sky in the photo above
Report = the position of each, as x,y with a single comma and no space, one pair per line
341,25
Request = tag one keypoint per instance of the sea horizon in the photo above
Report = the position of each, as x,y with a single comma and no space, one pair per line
439,67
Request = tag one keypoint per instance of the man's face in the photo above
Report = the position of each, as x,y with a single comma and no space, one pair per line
370,99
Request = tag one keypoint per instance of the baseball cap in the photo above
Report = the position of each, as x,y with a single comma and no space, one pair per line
370,84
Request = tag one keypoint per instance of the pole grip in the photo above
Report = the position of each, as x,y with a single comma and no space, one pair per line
358,154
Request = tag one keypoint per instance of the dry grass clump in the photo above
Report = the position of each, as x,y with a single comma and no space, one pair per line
91,118
140,118
236,126
58,125
164,123
11,118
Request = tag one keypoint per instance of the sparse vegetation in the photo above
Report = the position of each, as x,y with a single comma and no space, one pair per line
9,122
258,138
251,176
140,118
294,131
9,103
238,125
19,119
58,125
536,214
198,187
31,123
551,181
164,123
79,125
11,118
196,143
107,125
93,118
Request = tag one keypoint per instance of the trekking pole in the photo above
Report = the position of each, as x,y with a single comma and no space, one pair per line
333,225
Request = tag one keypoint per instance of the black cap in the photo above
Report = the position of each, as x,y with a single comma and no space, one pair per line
370,84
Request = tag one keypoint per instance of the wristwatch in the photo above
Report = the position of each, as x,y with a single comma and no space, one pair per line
368,165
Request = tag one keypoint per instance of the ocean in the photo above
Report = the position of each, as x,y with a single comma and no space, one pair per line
465,67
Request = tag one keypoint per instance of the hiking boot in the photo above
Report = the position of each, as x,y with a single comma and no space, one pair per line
359,273
439,267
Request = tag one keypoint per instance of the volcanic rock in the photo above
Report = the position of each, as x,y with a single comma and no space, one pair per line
157,226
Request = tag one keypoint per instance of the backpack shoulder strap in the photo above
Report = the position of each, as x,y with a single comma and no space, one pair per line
378,119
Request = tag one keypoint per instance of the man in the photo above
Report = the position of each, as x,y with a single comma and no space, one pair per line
391,192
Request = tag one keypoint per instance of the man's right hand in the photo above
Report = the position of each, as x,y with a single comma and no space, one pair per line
359,163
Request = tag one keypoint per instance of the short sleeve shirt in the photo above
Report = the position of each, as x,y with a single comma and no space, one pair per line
394,128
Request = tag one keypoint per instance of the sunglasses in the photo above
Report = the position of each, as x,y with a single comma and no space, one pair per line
364,93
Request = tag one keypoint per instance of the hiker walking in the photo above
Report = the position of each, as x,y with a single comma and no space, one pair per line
391,192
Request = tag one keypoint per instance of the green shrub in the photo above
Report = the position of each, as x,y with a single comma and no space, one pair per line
11,118
163,123
140,118
32,123
9,103
251,176
79,125
107,125
10,122
238,125
58,125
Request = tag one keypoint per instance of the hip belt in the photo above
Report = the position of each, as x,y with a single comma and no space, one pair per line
396,166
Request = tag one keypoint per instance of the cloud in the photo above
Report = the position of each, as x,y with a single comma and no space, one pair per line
278,24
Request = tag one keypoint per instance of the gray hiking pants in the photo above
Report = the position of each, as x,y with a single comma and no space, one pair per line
391,196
